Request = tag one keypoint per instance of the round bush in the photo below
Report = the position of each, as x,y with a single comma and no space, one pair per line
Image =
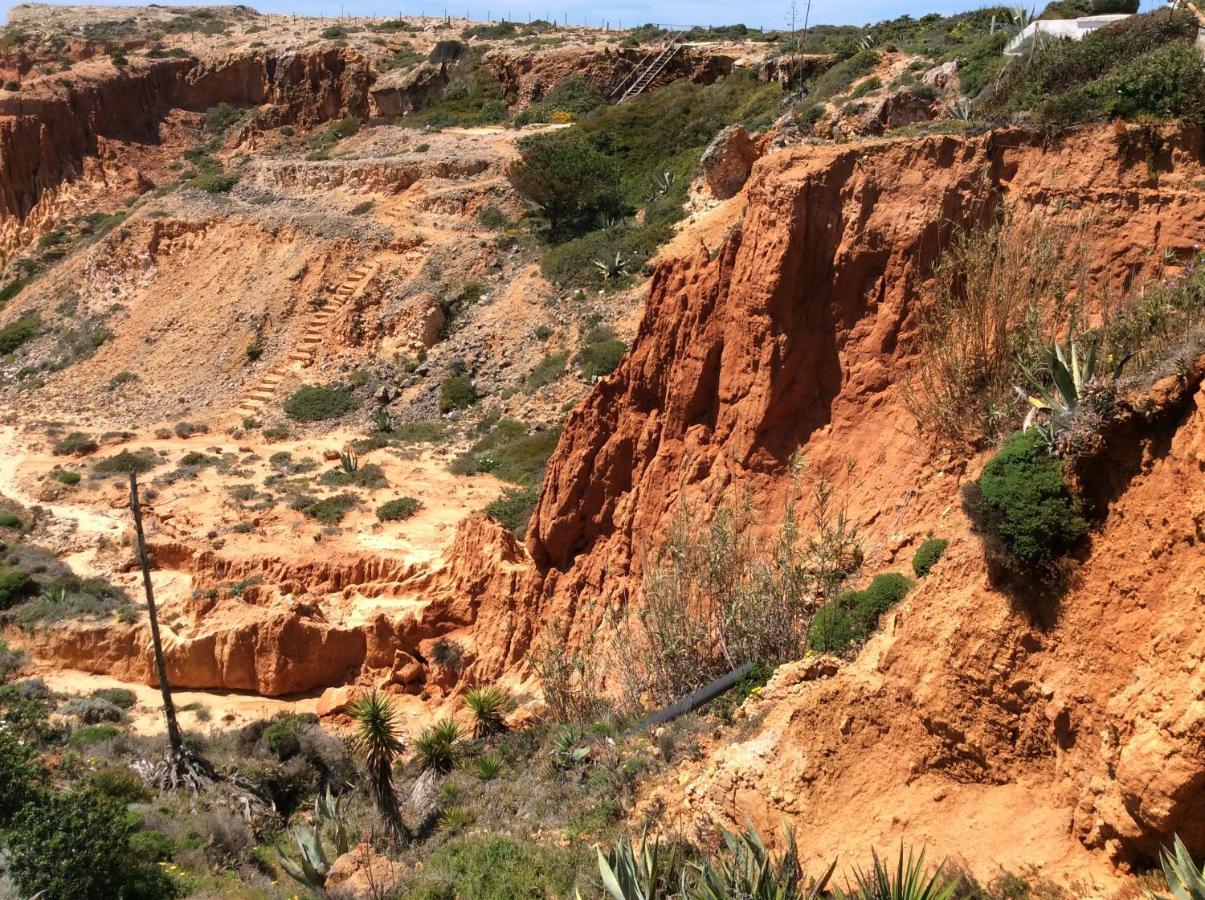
832,630
927,555
456,392
869,605
1025,502
398,510
314,403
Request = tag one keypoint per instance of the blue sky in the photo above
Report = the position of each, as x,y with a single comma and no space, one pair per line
767,13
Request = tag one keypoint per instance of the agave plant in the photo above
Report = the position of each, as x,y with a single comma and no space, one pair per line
613,268
436,747
648,873
1184,880
382,421
1051,409
349,460
662,184
313,864
489,706
377,740
745,868
910,881
565,750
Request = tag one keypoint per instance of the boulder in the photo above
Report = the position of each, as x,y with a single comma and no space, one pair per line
727,162
941,76
403,91
362,874
896,110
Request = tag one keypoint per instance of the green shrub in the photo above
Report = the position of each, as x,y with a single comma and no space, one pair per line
330,510
93,734
494,868
868,605
221,118
514,508
11,520
17,332
422,432
68,597
600,358
927,555
76,846
832,629
1133,67
314,403
127,461
15,585
546,371
1023,499
511,453
399,509
11,289
456,392
334,33
214,182
68,478
370,476
151,846
571,97
19,775
115,783
123,698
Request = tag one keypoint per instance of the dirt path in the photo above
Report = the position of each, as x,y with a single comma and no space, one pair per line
13,458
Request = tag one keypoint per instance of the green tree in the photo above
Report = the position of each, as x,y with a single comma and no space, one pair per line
571,182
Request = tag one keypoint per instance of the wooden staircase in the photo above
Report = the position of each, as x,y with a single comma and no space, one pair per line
647,70
302,355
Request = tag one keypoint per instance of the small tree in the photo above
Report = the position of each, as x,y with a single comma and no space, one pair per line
571,182
377,739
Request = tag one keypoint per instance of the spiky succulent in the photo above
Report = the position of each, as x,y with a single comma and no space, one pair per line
437,746
646,872
745,868
349,460
1053,409
313,864
377,740
910,880
1184,880
488,766
489,706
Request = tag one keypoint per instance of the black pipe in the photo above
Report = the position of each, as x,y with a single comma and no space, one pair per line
693,701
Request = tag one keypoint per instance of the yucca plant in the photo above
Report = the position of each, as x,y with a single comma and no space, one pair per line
910,881
377,740
436,747
745,868
488,766
489,706
455,819
1069,374
1184,880
650,872
349,460
313,864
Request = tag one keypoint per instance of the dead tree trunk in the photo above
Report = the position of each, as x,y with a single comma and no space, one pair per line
181,768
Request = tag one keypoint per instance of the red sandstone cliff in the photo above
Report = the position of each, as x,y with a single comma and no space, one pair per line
794,336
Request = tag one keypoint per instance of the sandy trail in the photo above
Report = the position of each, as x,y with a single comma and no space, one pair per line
13,457
198,710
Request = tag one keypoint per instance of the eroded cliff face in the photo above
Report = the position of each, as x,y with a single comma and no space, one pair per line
972,719
49,134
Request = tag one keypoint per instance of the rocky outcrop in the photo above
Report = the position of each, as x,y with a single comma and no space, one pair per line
790,342
47,133
529,76
400,92
727,161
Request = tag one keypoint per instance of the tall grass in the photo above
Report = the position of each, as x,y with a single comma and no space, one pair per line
998,292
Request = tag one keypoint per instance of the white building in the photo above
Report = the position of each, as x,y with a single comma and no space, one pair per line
1075,29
